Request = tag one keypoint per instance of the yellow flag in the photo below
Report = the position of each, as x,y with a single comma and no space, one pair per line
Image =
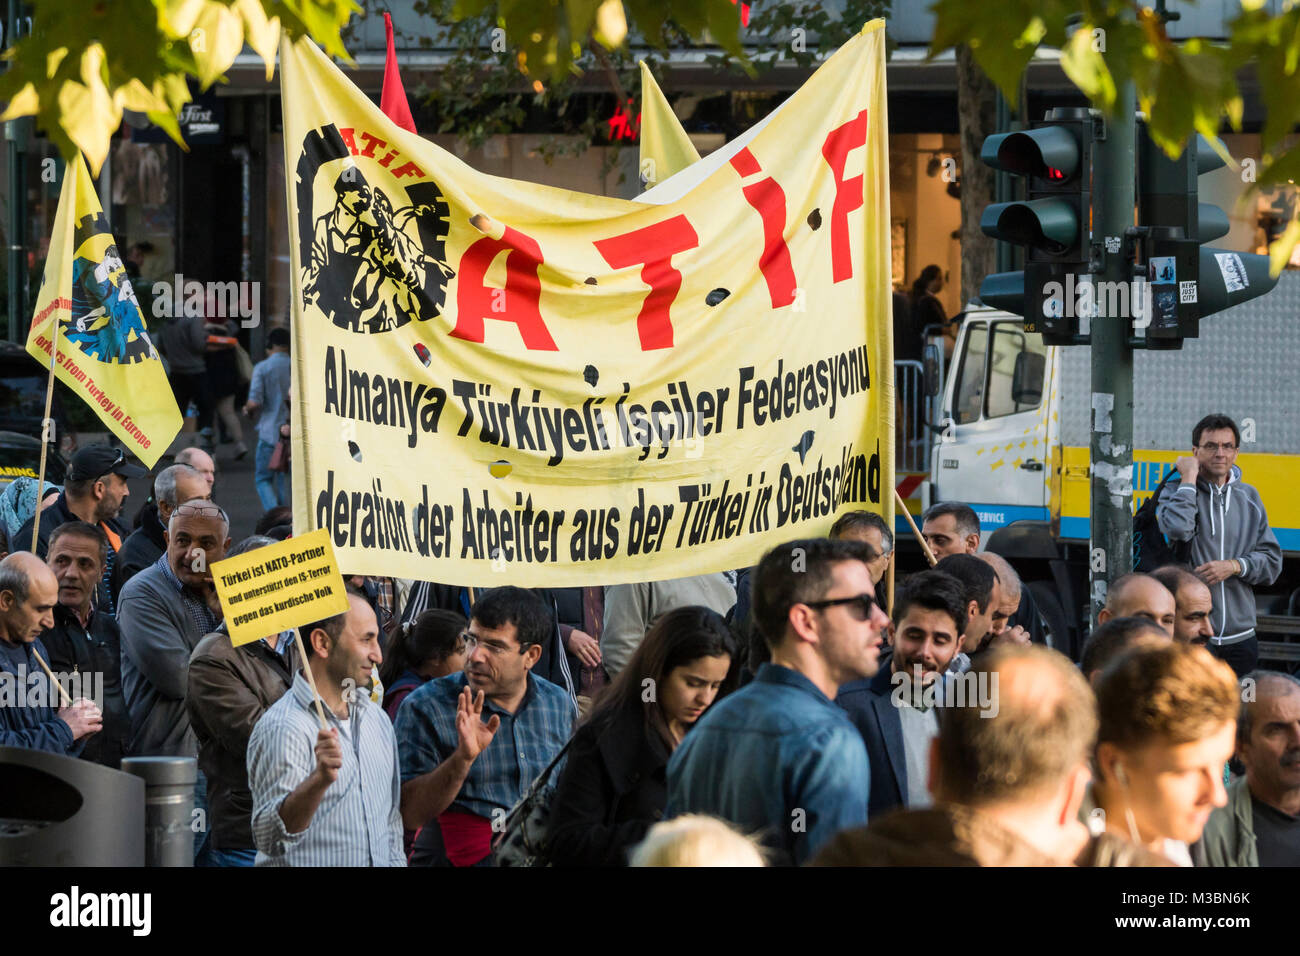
665,147
502,382
102,351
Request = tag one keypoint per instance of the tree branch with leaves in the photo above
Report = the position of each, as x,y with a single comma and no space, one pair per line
86,61
1183,86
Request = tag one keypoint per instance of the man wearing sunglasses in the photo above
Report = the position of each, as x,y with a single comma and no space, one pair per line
778,756
93,492
1232,546
471,743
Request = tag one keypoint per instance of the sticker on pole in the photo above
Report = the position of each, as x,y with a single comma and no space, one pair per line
1164,270
279,587
1187,292
1233,271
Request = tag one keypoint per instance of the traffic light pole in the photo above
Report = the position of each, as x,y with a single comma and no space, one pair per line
1111,442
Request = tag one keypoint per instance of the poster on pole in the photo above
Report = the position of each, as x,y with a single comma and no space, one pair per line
282,586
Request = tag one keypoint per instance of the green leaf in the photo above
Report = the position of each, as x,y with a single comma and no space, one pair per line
1282,169
1086,67
1280,249
145,51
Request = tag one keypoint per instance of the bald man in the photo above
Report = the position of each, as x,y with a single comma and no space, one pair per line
200,461
1192,601
35,719
1140,595
1008,784
1001,631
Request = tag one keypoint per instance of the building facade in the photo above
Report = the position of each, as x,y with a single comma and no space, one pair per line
216,213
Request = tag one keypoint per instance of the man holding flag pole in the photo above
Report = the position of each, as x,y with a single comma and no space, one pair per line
322,761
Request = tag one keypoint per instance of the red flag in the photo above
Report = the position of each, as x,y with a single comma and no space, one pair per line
393,99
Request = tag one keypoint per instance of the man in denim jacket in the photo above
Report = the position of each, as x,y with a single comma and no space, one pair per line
778,756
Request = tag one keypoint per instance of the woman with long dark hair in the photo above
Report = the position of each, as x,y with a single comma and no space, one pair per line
927,309
431,647
613,787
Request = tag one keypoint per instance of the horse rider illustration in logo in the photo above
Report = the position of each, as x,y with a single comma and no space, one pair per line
105,320
370,268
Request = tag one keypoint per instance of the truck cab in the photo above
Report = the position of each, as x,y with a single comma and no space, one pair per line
1006,426
996,447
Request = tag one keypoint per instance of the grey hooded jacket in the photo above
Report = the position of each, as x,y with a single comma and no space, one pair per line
1224,523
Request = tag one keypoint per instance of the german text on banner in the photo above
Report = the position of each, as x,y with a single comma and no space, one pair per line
105,354
496,381
284,585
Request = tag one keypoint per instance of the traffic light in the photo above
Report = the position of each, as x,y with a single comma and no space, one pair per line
1053,222
1188,281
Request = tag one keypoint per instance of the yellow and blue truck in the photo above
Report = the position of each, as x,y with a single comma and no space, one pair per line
1008,430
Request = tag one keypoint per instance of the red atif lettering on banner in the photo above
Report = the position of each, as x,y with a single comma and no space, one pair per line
768,198
652,248
349,135
522,294
848,193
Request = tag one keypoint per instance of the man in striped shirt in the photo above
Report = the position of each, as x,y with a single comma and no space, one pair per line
328,797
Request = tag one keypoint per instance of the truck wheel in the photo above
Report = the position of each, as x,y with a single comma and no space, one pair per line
1054,619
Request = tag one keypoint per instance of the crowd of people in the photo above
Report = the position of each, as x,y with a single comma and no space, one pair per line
788,713
209,371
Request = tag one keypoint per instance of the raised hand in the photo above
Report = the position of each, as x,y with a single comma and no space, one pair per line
473,733
1188,467
329,756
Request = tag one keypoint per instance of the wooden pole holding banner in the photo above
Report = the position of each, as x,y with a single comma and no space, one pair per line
67,700
929,555
890,573
311,679
471,598
46,426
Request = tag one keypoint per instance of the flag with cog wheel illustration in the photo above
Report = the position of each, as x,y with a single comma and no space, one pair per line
103,351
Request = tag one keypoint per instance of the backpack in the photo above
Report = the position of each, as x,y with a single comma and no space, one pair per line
1151,549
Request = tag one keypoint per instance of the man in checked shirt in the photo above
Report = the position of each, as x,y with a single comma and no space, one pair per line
472,742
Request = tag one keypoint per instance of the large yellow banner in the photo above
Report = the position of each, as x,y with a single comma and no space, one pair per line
104,353
501,382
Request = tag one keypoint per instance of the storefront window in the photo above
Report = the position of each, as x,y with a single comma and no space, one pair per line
144,218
